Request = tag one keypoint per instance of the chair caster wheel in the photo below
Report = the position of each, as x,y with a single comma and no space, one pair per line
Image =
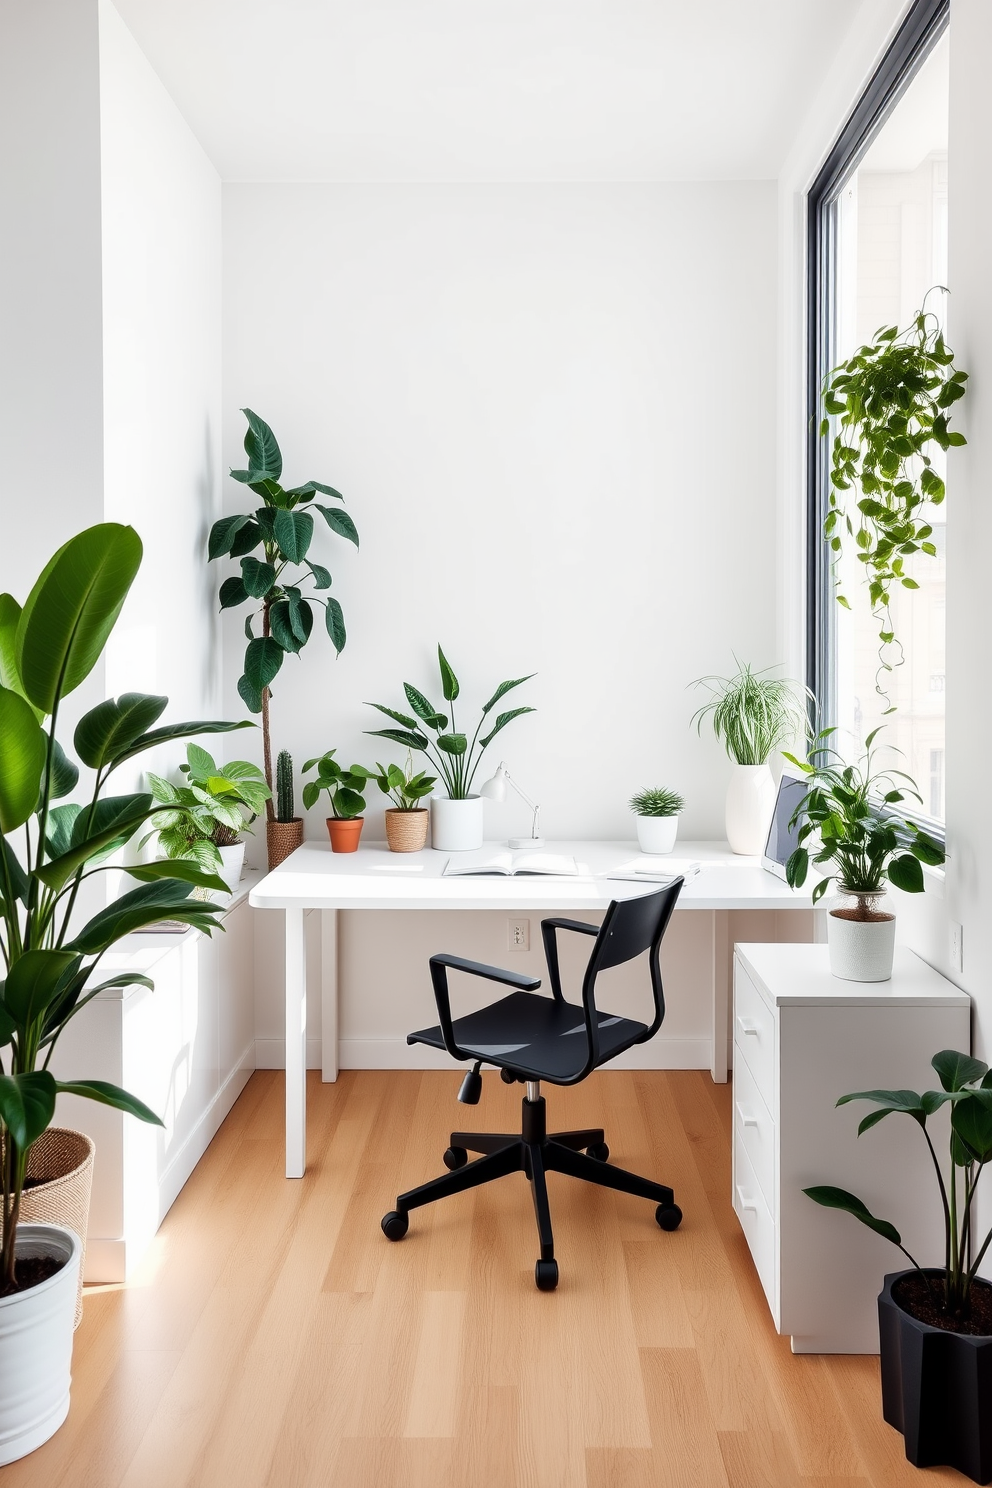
395,1224
669,1216
546,1275
455,1157
599,1151
508,1077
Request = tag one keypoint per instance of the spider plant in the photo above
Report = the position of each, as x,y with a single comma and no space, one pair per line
752,713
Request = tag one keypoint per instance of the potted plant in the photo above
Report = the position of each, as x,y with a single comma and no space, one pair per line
892,400
753,714
406,819
204,820
343,787
935,1323
657,811
273,546
284,834
868,842
456,820
48,845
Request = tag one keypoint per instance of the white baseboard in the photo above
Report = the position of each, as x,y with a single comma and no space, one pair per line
396,1053
271,1053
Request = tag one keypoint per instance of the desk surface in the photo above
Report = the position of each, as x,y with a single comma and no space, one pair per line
373,878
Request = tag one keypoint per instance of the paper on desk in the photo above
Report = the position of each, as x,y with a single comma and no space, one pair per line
654,869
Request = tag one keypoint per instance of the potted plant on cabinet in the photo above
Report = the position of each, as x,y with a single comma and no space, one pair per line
204,820
753,714
406,819
657,812
343,787
852,810
935,1323
273,545
456,819
284,834
48,845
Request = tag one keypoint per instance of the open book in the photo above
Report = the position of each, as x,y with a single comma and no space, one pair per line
508,864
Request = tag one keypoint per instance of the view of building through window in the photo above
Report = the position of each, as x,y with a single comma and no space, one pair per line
891,249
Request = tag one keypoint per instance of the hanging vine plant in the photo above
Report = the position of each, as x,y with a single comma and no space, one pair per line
892,399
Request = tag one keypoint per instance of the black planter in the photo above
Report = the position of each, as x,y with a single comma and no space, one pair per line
936,1389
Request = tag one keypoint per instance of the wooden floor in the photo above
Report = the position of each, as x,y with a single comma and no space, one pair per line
276,1338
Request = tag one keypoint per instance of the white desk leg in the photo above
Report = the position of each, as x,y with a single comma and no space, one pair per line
296,1045
721,994
328,994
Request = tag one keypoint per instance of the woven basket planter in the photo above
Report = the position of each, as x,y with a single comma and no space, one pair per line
406,831
282,838
61,1163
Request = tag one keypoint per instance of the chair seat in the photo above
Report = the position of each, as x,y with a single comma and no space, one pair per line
538,1036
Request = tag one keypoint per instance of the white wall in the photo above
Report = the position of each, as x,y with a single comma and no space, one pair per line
539,402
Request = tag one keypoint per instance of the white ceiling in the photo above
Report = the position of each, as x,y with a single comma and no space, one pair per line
491,90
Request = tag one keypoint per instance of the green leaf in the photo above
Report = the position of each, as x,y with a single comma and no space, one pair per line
61,820
27,1105
293,533
955,1070
900,1102
449,682
504,687
321,576
452,743
334,618
143,906
18,878
250,695
263,658
905,872
424,709
23,751
311,488
110,1095
300,618
839,1198
232,592
112,821
180,870
72,609
408,739
348,803
971,1122
257,577
261,447
10,615
112,726
249,537
502,719
171,731
32,982
222,535
65,773
281,626
796,868
339,522
403,718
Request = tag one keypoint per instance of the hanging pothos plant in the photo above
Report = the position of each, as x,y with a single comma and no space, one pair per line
892,399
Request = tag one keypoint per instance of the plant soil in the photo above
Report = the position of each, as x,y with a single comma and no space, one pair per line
31,1271
920,1300
861,916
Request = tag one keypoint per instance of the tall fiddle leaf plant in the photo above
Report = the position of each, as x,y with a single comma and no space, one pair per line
273,545
50,845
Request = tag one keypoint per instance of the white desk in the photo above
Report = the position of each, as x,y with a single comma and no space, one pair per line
373,878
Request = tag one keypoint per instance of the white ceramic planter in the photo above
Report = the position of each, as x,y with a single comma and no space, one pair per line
456,826
233,860
861,950
36,1345
750,803
656,834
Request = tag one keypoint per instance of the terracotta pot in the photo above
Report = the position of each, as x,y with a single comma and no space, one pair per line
344,832
406,831
61,1165
282,838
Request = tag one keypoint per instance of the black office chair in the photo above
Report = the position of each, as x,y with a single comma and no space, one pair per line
531,1039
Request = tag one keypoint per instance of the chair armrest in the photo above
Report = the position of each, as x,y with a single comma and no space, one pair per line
579,925
492,973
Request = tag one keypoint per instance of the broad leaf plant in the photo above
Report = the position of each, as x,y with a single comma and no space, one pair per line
49,845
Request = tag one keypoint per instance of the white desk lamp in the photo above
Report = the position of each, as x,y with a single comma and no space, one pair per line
495,790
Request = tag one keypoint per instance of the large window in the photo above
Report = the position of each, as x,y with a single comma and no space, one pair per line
877,245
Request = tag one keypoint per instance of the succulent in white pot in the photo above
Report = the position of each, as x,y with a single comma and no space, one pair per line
852,811
657,810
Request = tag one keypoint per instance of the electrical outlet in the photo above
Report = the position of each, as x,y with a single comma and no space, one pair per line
956,948
518,935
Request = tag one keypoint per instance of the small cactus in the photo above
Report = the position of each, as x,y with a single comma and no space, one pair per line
285,795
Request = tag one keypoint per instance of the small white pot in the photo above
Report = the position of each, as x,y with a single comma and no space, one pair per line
861,950
656,834
36,1345
750,803
456,826
233,861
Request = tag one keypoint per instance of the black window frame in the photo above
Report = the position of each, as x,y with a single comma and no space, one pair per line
921,29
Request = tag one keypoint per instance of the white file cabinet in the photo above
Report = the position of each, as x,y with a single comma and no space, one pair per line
801,1039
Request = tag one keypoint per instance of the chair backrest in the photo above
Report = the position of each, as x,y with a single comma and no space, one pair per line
632,926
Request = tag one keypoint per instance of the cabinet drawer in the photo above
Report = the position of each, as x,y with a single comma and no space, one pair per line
754,1126
757,1224
754,1034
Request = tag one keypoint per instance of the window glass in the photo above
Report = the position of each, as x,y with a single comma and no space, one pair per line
890,225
